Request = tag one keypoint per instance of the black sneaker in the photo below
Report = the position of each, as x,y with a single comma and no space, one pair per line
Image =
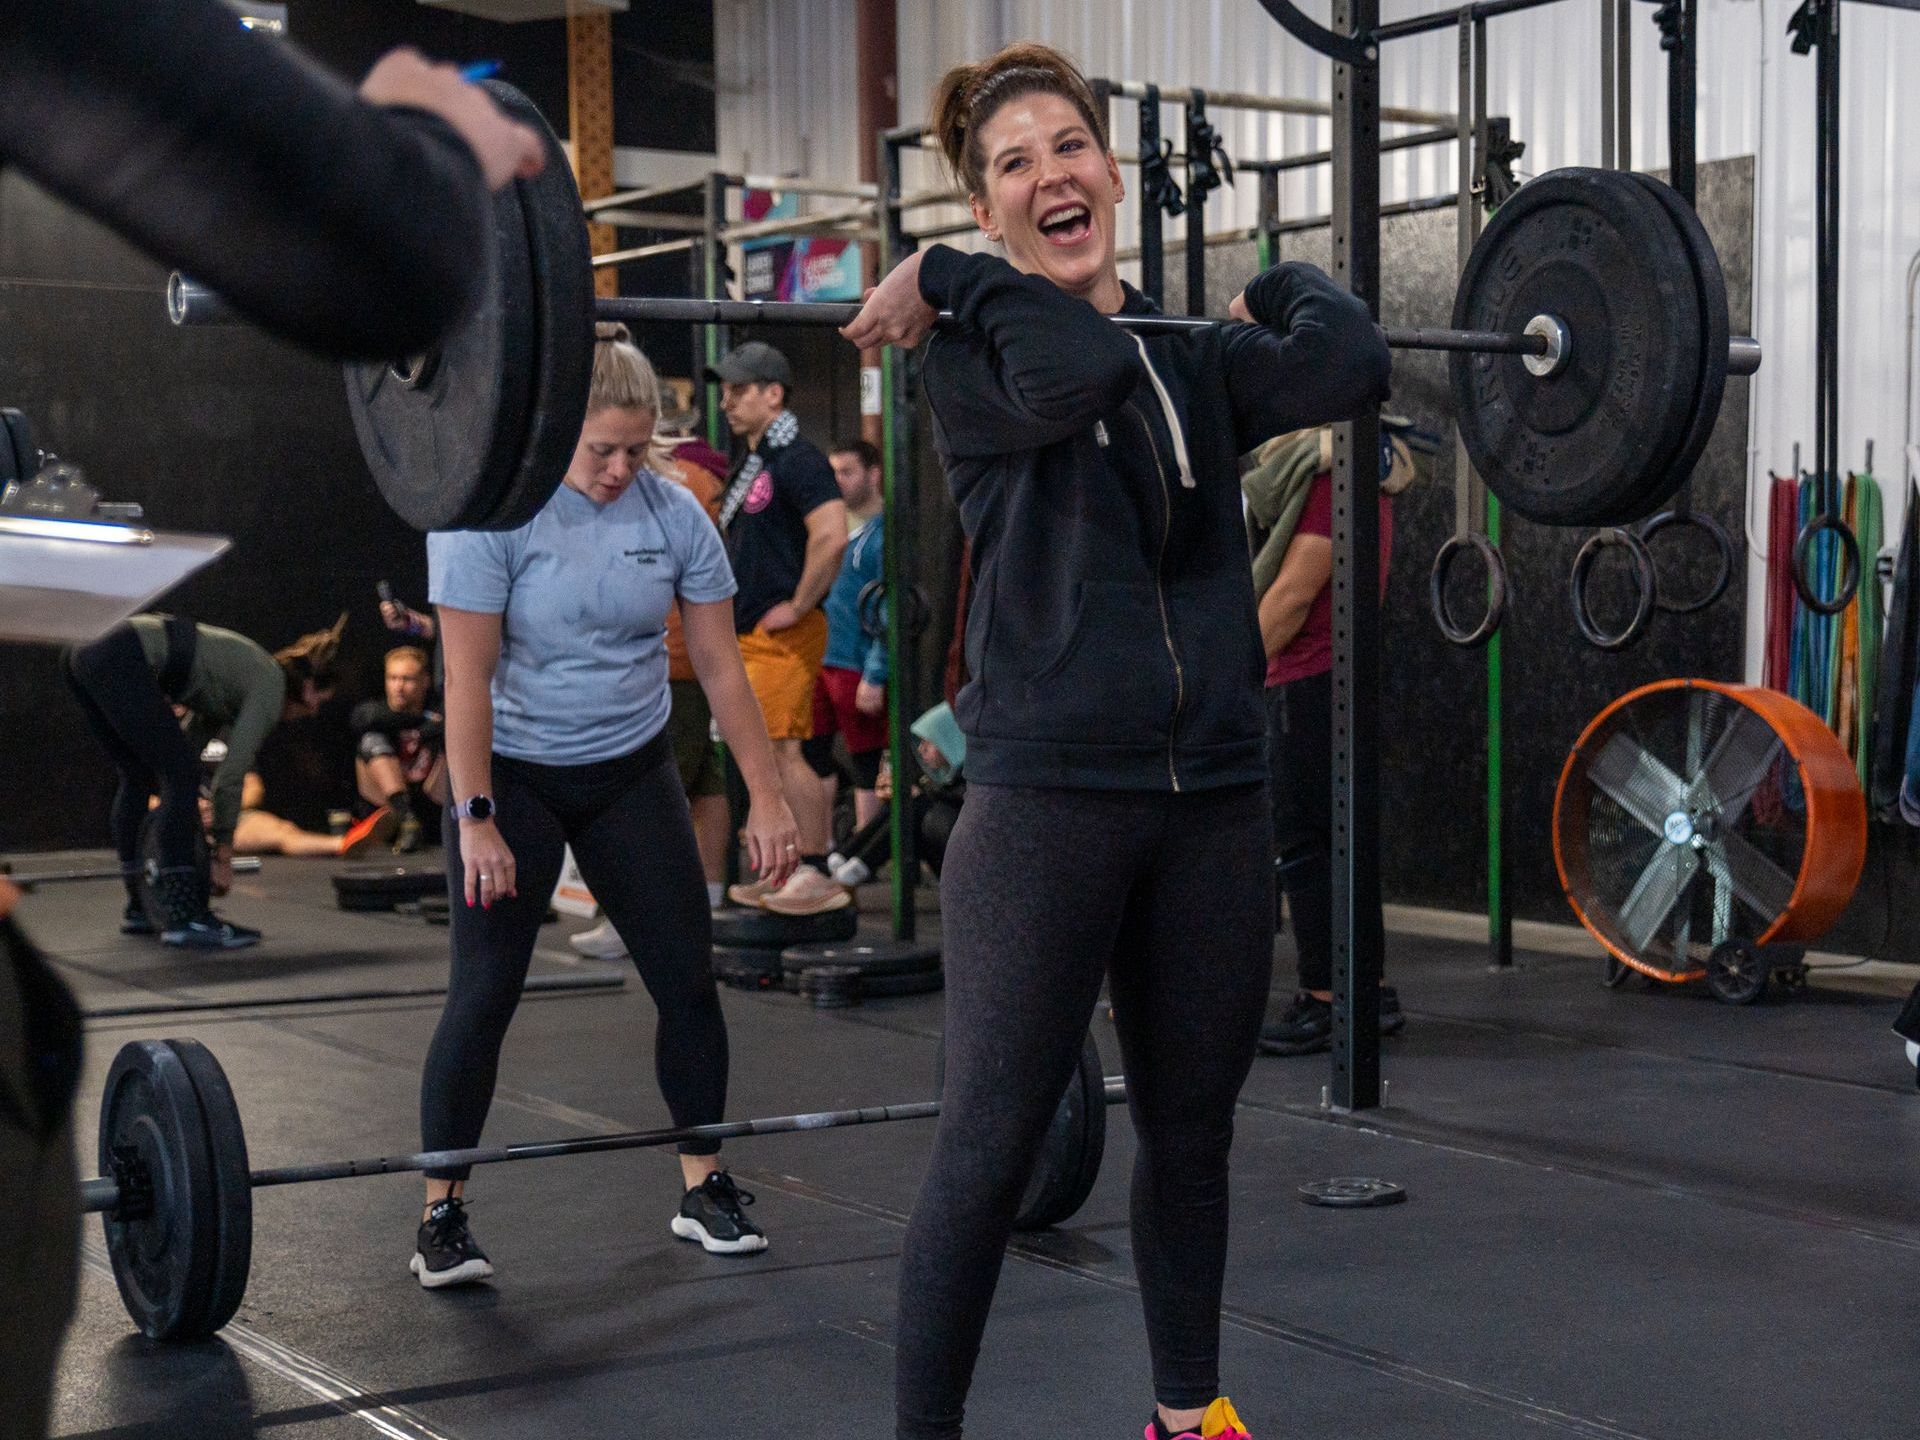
1305,1027
445,1252
712,1214
209,932
408,840
135,922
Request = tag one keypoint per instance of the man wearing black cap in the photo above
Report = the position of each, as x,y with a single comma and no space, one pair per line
786,527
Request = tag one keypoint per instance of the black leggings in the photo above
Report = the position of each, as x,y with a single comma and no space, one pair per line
935,815
125,706
1045,891
1300,764
628,824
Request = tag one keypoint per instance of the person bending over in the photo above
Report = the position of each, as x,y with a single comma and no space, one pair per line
557,706
127,683
786,527
850,698
940,749
401,766
1116,821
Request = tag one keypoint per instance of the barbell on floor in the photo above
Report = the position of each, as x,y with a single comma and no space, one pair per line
177,1192
33,879
1589,350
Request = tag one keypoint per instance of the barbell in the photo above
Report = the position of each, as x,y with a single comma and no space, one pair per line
1589,351
33,879
176,1195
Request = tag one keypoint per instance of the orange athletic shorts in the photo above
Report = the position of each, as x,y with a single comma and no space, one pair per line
782,668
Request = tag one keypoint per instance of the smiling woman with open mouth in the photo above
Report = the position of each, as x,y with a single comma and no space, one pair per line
1116,824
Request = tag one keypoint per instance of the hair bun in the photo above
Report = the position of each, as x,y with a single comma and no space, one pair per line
612,330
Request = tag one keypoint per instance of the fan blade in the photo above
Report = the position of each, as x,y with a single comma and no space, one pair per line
1762,886
1655,893
1741,758
1638,783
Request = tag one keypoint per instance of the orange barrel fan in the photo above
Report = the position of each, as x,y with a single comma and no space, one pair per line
1692,812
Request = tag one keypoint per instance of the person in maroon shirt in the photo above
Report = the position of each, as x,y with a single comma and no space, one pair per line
1296,629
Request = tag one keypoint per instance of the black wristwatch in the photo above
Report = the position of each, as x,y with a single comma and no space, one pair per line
476,807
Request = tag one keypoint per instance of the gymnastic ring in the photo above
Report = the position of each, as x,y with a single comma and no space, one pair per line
1849,571
917,612
1583,564
1722,542
1496,613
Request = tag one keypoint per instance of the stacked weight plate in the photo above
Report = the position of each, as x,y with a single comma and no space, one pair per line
476,435
747,941
1623,264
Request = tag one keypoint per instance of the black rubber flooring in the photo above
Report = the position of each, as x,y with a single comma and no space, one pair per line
1631,1214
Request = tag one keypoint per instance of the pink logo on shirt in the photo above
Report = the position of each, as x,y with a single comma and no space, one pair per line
759,494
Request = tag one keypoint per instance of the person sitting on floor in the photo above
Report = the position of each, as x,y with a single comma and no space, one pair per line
941,748
260,832
401,765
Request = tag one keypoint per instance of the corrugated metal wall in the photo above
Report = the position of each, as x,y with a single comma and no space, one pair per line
787,103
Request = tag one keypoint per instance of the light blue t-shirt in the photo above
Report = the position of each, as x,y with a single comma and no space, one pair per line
584,591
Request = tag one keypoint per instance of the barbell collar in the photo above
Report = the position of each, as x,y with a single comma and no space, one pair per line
191,303
1743,355
102,1193
99,1193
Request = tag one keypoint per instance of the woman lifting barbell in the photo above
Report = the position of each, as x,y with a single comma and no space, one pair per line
1117,822
557,705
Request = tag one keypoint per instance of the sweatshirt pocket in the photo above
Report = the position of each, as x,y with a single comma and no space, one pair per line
1225,665
1109,680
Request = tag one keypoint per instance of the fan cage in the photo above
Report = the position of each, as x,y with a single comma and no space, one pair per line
1797,809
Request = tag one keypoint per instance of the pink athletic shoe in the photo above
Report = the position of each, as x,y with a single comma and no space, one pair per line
1221,1422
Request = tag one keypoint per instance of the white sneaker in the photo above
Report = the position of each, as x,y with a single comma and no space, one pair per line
602,942
850,872
807,892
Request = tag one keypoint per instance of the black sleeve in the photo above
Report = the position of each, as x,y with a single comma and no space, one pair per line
1314,357
373,715
353,230
805,478
1033,364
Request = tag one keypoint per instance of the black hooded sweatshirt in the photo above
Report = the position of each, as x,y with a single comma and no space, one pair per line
1113,637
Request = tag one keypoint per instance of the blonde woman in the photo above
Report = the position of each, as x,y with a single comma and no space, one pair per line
557,706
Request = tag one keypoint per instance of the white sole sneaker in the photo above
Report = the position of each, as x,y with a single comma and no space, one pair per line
602,942
465,1273
693,1230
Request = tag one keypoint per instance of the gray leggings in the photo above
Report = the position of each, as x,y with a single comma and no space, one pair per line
628,824
1044,892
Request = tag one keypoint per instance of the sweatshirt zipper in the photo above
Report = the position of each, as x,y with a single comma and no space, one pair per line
1160,593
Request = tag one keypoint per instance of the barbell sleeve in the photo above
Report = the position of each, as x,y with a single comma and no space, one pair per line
102,1193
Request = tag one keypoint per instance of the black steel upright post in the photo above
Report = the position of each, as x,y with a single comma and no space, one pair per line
1682,102
1153,259
1198,143
713,338
1267,231
1357,941
899,507
1827,321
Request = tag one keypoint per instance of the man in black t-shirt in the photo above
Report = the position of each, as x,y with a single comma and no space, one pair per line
401,762
786,527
